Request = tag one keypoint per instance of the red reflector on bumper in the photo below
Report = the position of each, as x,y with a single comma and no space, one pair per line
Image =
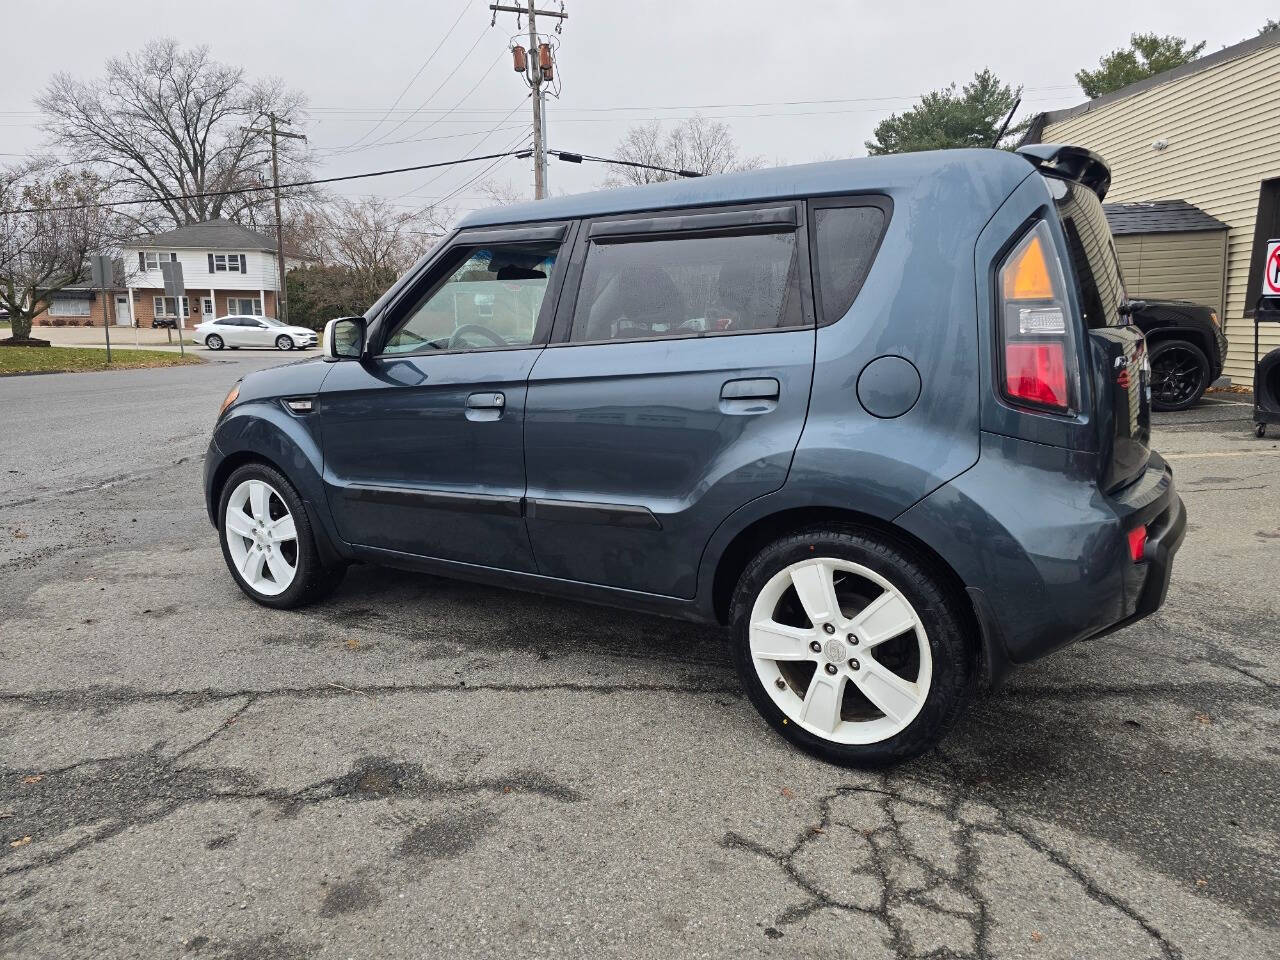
1137,542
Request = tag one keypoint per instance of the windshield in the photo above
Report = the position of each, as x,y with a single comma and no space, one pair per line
1093,253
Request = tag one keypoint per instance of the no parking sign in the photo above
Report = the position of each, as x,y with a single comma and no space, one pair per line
1271,271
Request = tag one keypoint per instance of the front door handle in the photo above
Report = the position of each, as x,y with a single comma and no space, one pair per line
485,407
738,397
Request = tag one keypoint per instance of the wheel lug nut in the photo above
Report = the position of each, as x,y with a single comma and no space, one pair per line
853,663
831,668
828,628
815,646
853,639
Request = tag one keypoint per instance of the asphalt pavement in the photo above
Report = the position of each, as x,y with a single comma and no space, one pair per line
424,768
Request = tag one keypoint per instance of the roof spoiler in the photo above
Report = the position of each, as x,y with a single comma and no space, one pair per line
1070,163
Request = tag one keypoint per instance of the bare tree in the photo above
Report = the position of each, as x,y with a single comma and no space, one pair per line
45,248
699,144
503,194
165,123
357,249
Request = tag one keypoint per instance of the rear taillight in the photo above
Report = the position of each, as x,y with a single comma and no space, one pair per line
1038,348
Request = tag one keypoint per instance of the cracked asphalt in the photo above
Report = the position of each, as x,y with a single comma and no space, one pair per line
425,768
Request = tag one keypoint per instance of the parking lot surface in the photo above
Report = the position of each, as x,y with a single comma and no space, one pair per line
426,768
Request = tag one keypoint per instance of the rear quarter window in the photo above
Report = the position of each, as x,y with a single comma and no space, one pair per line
846,236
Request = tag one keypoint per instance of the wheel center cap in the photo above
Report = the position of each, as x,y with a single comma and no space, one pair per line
835,651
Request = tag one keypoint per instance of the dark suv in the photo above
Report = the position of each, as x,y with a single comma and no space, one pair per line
885,418
1188,349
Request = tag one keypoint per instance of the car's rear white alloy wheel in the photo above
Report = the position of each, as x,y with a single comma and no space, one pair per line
840,650
262,537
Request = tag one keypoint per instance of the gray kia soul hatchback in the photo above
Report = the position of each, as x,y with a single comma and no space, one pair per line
885,418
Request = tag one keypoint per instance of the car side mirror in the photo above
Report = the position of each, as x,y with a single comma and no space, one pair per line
344,338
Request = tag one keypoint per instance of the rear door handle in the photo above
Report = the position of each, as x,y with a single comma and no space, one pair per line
744,397
763,389
484,407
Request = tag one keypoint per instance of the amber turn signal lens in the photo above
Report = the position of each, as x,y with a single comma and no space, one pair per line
231,398
1026,276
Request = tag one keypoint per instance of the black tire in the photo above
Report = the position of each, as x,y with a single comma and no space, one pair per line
952,647
213,342
284,342
1179,375
314,580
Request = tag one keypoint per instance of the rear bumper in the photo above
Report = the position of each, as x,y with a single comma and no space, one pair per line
1043,553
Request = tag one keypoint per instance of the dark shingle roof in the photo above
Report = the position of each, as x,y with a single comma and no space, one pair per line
220,234
1164,216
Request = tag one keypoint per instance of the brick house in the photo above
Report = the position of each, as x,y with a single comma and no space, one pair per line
227,268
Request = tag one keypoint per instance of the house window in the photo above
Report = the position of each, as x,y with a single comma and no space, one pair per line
244,307
168,306
152,261
66,307
227,262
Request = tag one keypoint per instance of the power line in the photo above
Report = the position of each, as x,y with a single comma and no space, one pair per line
414,79
431,95
266,186
475,146
449,196
382,141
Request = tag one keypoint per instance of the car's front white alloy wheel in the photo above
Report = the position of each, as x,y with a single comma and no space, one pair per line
840,650
262,537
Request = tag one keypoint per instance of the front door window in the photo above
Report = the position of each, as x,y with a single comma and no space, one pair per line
491,299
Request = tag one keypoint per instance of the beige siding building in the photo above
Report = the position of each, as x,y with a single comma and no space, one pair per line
1207,133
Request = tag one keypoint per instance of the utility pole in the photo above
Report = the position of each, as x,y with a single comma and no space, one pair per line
538,66
282,304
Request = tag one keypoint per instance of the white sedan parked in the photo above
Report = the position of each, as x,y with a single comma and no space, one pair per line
240,330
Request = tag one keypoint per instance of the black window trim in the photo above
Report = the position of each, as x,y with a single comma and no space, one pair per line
777,219
667,224
880,200
432,276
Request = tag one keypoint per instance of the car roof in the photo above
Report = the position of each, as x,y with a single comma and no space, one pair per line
1000,171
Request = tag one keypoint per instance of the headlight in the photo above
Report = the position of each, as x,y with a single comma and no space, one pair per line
231,398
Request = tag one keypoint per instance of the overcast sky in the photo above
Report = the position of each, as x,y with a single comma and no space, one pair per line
795,80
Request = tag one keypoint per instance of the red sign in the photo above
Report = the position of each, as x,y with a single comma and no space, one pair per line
1271,275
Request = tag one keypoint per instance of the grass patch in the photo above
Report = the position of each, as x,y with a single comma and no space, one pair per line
14,360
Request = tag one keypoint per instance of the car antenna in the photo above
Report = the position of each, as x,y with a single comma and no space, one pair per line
1005,126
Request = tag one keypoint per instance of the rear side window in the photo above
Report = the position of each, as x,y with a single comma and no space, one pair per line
845,240
680,286
1092,251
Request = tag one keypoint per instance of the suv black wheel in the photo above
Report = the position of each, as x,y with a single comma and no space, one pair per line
1179,374
851,647
268,543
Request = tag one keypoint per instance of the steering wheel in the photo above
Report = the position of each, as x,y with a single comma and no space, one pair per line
458,337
